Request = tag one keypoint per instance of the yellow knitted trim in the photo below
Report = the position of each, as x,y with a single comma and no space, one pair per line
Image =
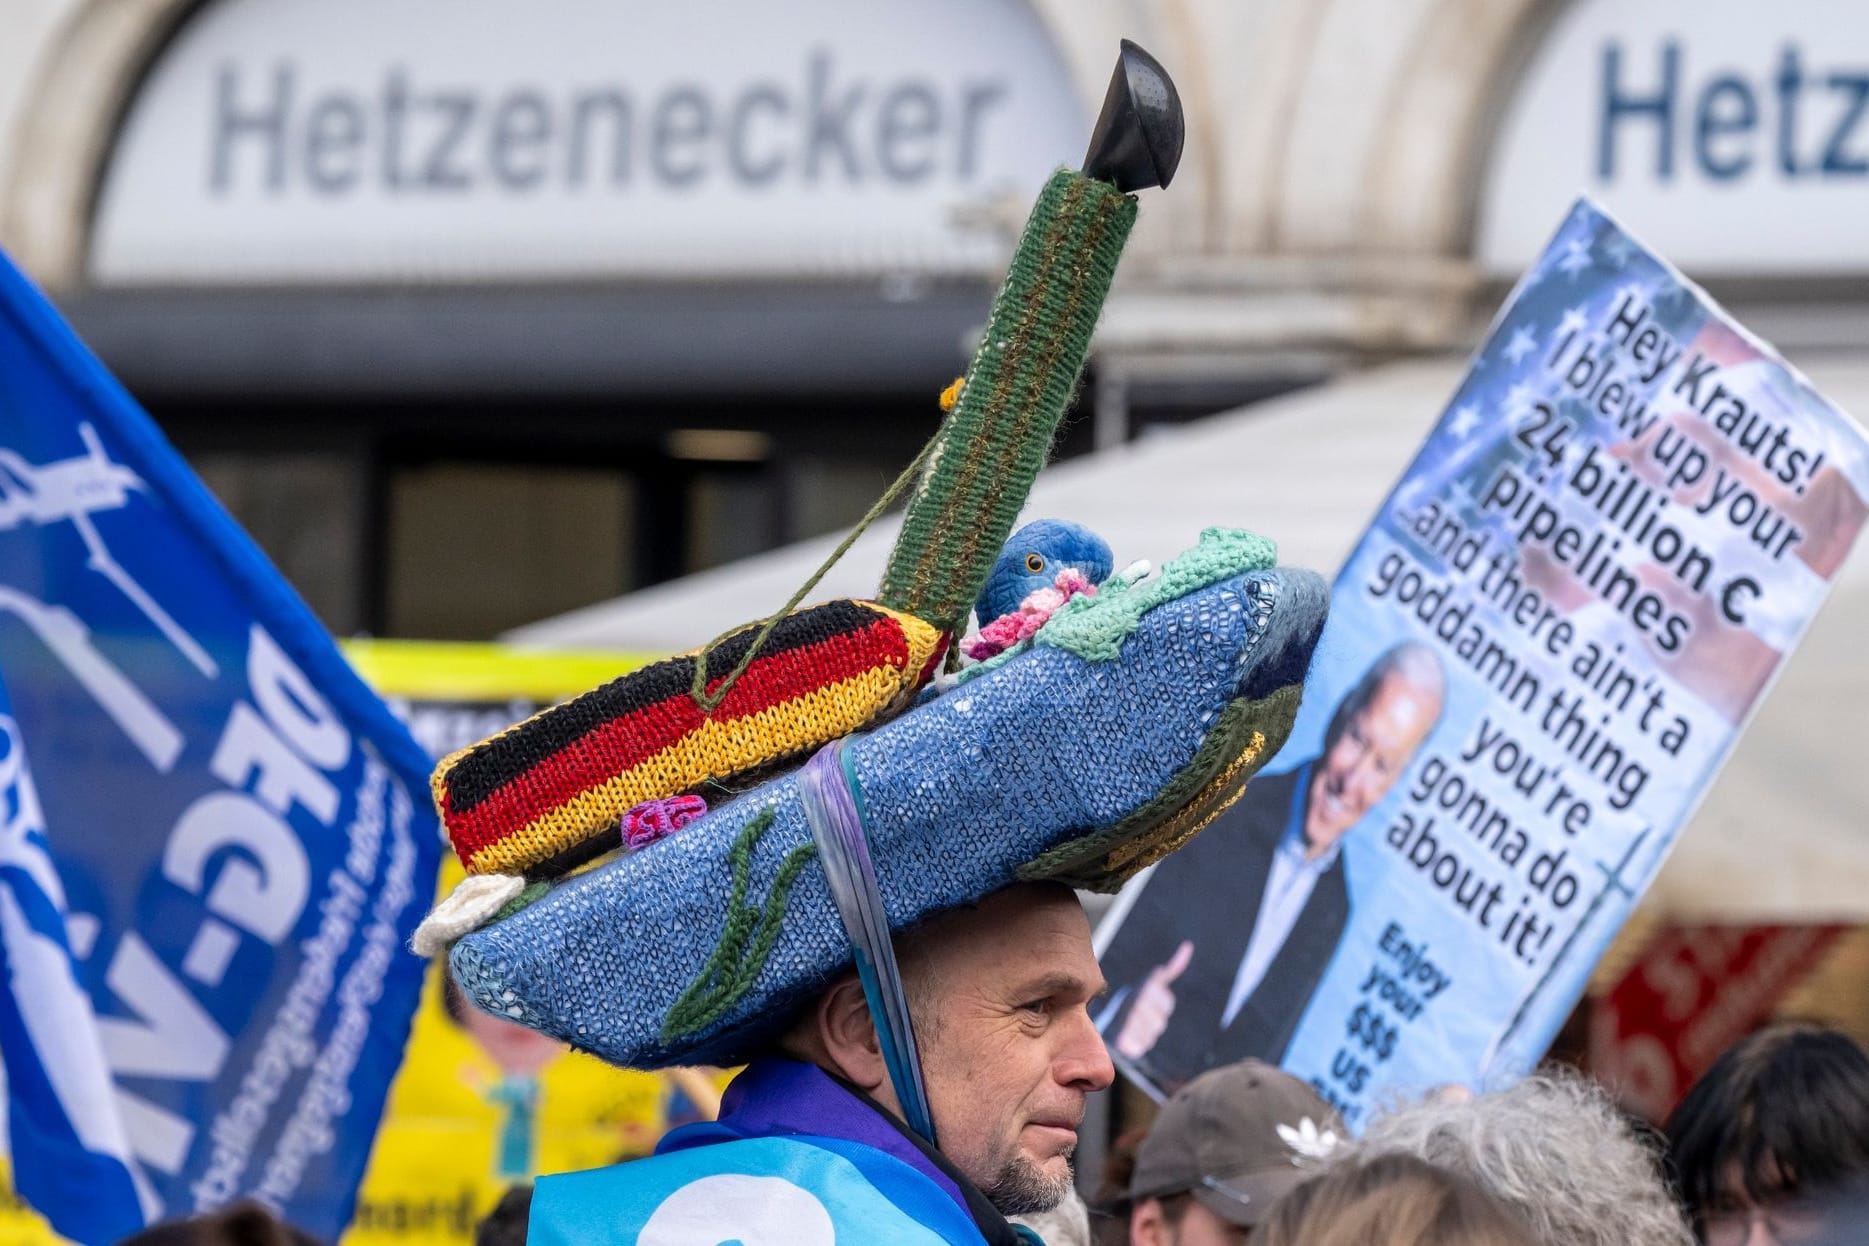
1129,859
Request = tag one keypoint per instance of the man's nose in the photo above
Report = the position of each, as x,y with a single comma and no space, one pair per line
1365,781
1082,1061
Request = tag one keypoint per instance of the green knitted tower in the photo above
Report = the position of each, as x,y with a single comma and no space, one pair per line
998,435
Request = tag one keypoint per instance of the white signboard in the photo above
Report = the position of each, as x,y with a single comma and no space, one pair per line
1732,135
360,140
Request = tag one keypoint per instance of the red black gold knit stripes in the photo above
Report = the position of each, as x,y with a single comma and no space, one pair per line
541,789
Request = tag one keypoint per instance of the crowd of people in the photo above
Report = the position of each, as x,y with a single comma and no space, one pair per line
1769,1148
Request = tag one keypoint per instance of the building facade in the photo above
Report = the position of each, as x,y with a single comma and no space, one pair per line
476,312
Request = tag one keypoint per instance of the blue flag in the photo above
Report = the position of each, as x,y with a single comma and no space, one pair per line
214,840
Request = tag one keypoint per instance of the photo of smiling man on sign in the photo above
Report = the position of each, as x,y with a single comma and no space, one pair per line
1219,953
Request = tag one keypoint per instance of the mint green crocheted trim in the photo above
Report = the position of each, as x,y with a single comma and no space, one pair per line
1094,628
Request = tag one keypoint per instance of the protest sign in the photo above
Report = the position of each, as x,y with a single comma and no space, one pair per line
1538,655
217,839
1692,992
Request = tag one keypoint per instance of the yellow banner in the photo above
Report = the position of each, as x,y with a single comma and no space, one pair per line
482,1104
454,695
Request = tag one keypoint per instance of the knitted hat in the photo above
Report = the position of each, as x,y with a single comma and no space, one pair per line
644,882
1109,740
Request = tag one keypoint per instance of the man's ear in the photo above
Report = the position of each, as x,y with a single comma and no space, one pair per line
1148,1223
849,1036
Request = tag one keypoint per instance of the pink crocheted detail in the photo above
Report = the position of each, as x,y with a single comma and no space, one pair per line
658,819
1009,629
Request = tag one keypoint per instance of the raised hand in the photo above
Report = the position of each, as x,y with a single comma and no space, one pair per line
1154,1005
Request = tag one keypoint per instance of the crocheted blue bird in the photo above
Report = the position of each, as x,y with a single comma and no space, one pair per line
1032,560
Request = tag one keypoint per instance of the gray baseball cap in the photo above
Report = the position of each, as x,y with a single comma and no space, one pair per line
1236,1137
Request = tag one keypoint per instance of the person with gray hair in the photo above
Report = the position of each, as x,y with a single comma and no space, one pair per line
1554,1149
1391,1200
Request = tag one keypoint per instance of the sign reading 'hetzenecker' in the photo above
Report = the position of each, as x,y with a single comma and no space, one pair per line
487,141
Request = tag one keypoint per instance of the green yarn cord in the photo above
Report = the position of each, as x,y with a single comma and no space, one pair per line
529,895
996,439
746,939
697,688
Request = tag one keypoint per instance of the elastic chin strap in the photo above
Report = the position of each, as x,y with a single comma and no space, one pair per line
833,801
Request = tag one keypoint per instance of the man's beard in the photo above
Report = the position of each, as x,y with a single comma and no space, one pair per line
1022,1188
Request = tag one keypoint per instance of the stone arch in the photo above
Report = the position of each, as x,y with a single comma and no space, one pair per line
1363,122
1429,173
1430,204
88,79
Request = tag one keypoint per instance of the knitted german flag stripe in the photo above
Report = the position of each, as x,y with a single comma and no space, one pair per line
540,789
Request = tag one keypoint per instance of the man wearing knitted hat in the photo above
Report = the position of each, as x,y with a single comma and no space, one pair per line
998,992
786,850
1222,1151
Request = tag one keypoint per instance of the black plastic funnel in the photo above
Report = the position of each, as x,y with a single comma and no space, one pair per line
1137,142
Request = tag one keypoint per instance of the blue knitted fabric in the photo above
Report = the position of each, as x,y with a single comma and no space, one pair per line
960,792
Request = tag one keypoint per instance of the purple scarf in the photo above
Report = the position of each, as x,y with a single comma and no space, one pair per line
776,1097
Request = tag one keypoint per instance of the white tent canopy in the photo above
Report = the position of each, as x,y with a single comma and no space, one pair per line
1784,835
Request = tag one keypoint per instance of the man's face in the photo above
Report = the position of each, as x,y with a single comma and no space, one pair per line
1150,1225
1736,1220
1001,997
1365,758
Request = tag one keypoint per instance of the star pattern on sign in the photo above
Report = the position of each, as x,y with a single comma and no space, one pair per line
1522,343
1576,258
1464,421
1672,297
1409,495
1618,250
1519,398
1574,320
